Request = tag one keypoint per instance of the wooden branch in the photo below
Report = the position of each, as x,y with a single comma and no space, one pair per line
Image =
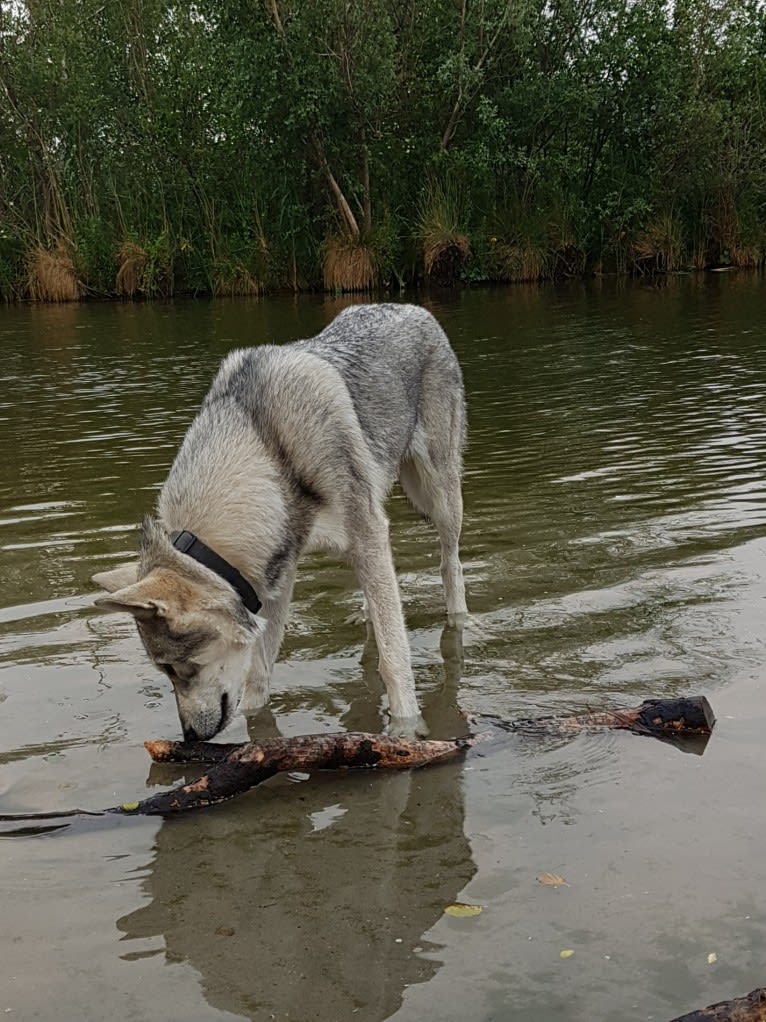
657,717
751,1008
240,766
344,209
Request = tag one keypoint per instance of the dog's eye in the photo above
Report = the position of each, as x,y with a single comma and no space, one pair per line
181,674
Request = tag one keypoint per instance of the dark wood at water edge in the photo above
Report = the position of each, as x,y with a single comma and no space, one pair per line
254,762
237,768
750,1008
691,715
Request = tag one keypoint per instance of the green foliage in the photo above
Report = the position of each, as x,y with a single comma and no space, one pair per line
231,143
95,247
11,264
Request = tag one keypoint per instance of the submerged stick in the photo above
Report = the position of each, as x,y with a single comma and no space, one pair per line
241,768
751,1008
659,717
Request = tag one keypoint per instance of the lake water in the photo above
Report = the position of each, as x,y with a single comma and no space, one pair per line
615,549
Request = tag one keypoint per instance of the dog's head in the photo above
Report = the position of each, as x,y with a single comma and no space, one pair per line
193,626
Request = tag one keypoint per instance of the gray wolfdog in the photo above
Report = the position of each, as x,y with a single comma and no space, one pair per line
296,448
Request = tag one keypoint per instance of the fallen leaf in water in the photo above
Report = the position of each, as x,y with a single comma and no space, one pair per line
462,911
552,880
712,958
224,931
566,954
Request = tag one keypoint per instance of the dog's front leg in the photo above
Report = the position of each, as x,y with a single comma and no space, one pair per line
274,614
375,569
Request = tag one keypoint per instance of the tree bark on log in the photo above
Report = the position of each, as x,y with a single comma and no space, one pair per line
240,768
751,1008
657,717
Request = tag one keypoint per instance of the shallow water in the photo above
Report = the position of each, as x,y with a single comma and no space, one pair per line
615,549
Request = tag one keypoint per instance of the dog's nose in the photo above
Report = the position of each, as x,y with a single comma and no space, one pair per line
190,735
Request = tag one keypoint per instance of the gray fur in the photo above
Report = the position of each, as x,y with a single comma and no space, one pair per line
296,448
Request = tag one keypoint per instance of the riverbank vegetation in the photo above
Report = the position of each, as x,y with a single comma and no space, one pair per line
150,147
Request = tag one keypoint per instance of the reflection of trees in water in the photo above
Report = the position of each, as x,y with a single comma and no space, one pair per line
306,901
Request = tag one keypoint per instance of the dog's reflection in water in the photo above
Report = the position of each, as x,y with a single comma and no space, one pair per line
307,900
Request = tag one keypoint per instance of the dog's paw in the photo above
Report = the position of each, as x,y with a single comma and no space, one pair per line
407,727
357,618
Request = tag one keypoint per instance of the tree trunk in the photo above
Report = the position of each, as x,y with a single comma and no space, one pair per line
341,202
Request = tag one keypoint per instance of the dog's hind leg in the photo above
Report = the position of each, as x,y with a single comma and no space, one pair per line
447,515
375,569
434,491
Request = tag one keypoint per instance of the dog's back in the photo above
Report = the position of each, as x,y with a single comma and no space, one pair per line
387,356
340,408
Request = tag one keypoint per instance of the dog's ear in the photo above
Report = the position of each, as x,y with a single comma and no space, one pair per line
163,593
117,578
151,597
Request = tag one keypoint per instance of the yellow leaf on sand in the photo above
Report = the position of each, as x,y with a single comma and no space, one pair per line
552,880
566,954
462,911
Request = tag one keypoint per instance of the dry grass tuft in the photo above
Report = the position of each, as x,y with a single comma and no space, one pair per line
659,247
699,258
235,279
517,262
745,256
445,253
348,264
564,257
446,246
733,244
133,261
51,276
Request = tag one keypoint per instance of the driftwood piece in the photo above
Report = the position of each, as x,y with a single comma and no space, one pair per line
239,767
751,1008
659,717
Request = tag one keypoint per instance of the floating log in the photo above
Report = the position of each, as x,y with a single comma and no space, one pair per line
751,1008
657,717
239,767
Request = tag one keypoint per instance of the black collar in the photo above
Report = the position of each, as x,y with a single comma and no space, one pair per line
188,544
